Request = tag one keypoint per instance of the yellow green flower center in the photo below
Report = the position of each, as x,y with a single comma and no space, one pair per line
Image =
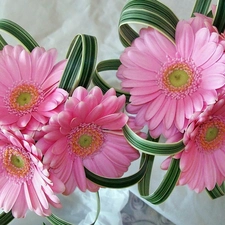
24,98
211,134
16,163
178,78
85,140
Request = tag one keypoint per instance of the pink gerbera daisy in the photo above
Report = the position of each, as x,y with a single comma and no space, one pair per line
24,183
202,161
28,86
87,133
168,82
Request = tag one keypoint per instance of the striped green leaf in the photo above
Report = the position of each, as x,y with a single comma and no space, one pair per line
53,219
6,218
118,182
217,192
219,19
107,65
19,33
3,42
151,147
166,186
81,56
201,6
144,184
147,13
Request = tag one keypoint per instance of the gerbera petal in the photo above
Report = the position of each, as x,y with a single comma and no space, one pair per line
80,174
154,107
209,172
204,54
214,81
184,39
19,209
143,60
113,121
170,115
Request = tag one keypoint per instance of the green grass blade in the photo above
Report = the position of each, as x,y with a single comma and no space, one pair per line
219,19
166,186
201,6
6,218
98,208
53,219
107,65
3,42
217,192
144,184
118,182
151,147
81,56
19,33
147,13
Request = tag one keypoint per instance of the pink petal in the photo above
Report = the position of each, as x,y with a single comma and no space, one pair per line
201,38
113,121
188,107
197,101
155,106
158,118
80,93
204,54
209,172
219,158
170,115
184,39
95,114
214,81
138,74
80,174
144,61
20,207
107,171
25,65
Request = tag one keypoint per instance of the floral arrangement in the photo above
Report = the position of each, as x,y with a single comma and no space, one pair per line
59,132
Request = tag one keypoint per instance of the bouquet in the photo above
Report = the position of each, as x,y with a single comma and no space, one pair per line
63,127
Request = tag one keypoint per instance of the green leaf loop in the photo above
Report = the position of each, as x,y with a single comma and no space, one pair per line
217,192
147,13
81,56
151,147
19,33
219,18
107,65
117,182
166,186
201,7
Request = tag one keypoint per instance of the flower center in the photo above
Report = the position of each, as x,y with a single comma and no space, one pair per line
211,135
85,140
179,78
23,99
16,163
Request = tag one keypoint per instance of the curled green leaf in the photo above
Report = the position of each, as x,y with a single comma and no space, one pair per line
81,62
151,147
166,186
147,13
19,33
107,65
